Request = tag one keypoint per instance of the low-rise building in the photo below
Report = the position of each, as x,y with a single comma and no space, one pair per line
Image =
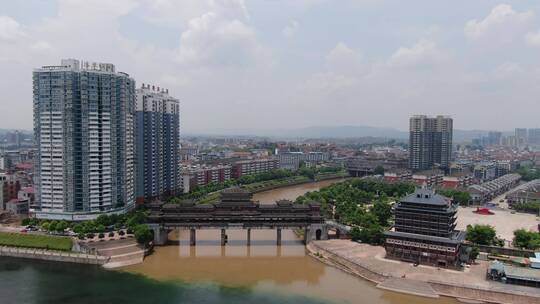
457,181
18,207
199,176
11,187
485,171
290,160
488,190
253,166
524,193
429,178
398,176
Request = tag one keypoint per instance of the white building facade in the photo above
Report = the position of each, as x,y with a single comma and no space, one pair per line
84,132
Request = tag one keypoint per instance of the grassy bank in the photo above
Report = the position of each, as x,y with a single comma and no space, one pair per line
35,241
255,187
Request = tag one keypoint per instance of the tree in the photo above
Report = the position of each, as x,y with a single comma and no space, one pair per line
372,234
45,226
100,228
474,253
460,197
379,170
481,234
355,233
526,239
383,212
61,226
103,219
143,234
78,228
52,226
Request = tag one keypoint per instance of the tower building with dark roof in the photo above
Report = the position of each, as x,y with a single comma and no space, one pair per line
424,231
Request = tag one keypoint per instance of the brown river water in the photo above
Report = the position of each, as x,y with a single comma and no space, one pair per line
264,266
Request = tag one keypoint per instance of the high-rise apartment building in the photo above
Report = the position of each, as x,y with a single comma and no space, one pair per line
534,136
494,138
157,140
430,142
84,128
521,136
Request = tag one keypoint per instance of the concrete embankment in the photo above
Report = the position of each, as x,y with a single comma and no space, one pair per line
369,263
120,253
50,255
296,183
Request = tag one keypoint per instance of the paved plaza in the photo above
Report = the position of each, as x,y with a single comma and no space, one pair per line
373,258
503,220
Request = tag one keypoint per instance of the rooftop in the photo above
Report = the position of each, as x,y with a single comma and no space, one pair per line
426,196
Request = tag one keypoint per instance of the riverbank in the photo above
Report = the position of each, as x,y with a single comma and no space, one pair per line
276,185
51,255
368,262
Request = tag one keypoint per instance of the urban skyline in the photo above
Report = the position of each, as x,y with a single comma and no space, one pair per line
226,57
234,151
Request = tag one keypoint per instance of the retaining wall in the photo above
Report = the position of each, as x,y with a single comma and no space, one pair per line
49,255
444,289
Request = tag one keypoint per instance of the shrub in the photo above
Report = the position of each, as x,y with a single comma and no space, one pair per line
101,235
481,234
111,234
143,234
90,235
121,232
526,239
78,228
35,241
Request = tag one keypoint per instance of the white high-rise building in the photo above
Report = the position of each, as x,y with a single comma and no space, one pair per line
84,132
157,141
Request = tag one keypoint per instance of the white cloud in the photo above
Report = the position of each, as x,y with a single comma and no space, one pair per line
344,60
211,40
533,39
9,28
291,29
178,13
424,51
507,70
502,19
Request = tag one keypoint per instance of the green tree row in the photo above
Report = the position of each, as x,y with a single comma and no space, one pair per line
460,197
101,224
486,235
361,203
528,174
531,207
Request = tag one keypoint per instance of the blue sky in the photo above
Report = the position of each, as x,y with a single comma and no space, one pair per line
266,64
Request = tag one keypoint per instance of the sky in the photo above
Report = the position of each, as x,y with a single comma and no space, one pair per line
272,64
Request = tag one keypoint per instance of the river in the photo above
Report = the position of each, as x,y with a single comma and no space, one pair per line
206,273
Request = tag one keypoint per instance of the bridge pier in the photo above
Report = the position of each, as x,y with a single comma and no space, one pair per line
279,236
248,236
223,237
161,236
192,237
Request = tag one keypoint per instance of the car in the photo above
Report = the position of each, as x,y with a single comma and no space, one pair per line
24,230
501,201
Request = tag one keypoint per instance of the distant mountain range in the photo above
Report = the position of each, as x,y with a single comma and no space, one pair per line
337,132
320,132
4,131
